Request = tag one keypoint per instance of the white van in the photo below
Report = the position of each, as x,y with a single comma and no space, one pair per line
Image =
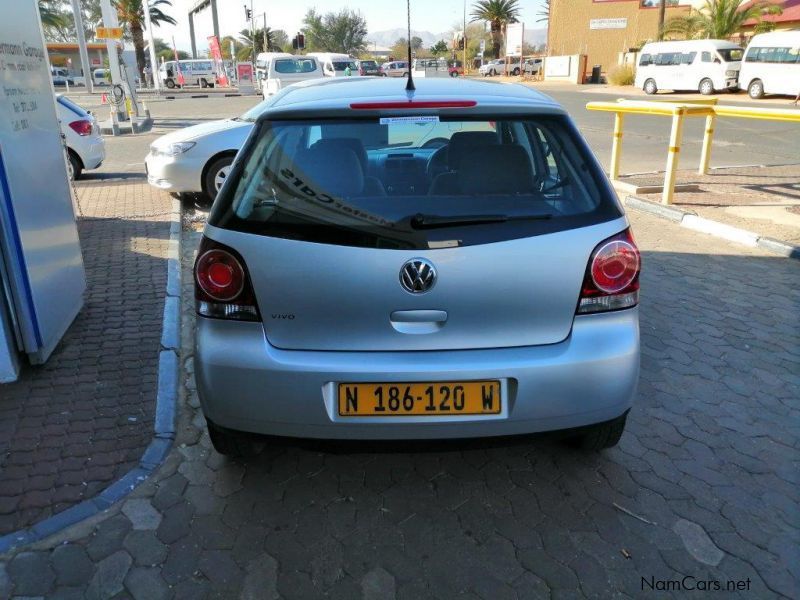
101,77
771,64
262,62
335,65
706,66
202,72
286,70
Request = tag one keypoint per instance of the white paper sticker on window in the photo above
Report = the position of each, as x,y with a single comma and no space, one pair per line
409,120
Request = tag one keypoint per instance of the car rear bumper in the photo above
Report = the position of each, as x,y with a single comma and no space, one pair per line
94,154
176,174
246,384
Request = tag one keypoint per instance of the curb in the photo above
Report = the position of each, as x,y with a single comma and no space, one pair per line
164,422
690,220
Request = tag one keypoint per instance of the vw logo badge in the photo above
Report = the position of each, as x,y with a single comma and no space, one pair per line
417,275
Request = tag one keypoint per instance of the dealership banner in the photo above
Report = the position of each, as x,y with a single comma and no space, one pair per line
216,55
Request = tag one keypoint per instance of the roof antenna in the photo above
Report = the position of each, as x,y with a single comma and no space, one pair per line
410,83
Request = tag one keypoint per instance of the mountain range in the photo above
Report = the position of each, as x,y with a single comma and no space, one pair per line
388,37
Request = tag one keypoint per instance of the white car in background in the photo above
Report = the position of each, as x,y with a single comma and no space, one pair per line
283,71
86,148
199,158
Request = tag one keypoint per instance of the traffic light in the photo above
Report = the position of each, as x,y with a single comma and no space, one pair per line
299,41
461,43
248,14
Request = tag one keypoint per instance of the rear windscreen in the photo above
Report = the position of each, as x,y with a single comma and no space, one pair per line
413,182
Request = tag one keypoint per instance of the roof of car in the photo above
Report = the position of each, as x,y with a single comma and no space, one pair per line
336,94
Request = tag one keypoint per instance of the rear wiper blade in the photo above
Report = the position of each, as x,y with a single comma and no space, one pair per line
420,221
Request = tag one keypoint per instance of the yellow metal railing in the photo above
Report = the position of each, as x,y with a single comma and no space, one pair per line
702,107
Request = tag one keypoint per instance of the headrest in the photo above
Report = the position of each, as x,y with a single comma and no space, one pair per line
497,169
332,171
461,141
337,144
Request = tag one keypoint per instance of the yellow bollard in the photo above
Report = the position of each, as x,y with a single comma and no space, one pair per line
675,137
708,138
616,146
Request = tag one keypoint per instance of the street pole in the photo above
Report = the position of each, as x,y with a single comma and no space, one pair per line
110,20
85,65
151,39
464,64
253,30
266,45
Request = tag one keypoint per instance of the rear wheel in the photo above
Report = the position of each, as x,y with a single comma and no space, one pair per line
601,436
216,174
515,71
203,83
650,87
453,73
706,87
756,89
170,84
230,443
74,166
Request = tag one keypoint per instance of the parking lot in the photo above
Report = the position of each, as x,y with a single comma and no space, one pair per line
701,495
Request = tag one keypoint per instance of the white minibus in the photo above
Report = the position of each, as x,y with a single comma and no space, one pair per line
771,64
706,66
200,72
335,65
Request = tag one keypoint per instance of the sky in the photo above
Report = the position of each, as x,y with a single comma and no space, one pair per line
436,16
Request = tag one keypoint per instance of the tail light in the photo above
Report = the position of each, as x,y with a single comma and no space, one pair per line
222,286
612,276
82,127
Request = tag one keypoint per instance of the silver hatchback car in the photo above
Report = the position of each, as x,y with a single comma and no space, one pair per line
367,273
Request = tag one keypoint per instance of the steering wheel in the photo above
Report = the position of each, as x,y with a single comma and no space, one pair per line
437,163
436,142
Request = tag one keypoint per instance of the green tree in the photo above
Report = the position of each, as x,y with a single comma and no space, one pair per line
439,48
498,13
345,31
544,12
131,16
719,19
266,40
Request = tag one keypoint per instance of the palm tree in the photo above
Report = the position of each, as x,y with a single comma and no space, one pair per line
544,12
131,14
51,13
266,40
720,19
499,13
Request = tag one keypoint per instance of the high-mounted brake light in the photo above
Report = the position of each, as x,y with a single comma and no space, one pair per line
611,281
222,286
410,105
82,127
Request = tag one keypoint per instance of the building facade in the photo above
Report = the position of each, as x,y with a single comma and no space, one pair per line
602,29
67,55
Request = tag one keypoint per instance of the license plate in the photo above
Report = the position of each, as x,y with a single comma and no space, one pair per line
422,399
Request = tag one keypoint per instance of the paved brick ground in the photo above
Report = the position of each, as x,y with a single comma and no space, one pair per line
764,200
77,423
707,469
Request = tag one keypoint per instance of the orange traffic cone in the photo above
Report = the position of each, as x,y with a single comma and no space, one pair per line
104,99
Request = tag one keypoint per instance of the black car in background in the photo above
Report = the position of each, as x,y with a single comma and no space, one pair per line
368,67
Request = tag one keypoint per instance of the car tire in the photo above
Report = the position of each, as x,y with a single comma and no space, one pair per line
706,87
74,166
170,84
650,87
405,74
515,71
216,173
203,83
230,443
493,73
601,436
454,74
756,89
